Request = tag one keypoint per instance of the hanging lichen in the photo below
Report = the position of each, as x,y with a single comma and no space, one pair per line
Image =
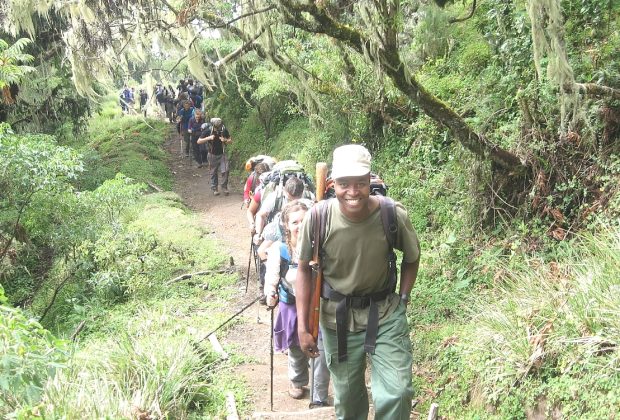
20,15
548,40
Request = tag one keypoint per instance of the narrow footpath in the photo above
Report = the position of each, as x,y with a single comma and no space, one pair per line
249,338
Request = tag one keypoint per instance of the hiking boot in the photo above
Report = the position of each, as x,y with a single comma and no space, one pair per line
318,404
216,192
296,392
225,191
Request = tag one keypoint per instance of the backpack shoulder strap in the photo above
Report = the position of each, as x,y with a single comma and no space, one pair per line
284,251
388,218
318,217
285,260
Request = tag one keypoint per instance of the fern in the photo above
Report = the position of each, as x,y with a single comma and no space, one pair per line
10,57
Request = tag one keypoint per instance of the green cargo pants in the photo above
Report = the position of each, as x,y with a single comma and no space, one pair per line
391,373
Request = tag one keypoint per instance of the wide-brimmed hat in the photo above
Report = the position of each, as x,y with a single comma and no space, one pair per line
350,160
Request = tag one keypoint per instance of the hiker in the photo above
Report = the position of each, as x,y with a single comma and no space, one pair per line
360,312
184,114
132,101
269,210
195,129
280,286
144,97
125,99
293,190
169,104
252,182
216,136
196,99
159,94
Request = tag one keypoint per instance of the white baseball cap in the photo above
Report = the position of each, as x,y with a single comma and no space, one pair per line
350,160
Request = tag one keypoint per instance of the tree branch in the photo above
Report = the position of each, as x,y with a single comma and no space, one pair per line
463,19
592,89
246,47
390,62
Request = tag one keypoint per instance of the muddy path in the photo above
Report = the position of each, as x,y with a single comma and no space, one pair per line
224,216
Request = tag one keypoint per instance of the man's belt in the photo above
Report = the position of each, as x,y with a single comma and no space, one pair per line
357,302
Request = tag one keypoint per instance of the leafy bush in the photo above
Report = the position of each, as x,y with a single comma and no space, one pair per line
29,356
33,168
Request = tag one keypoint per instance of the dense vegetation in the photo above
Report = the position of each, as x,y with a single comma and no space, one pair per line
496,123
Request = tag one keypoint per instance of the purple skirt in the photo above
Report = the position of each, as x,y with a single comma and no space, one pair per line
285,328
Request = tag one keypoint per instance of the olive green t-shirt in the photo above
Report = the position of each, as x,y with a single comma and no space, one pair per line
355,260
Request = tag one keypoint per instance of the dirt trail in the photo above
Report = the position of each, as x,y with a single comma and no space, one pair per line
223,216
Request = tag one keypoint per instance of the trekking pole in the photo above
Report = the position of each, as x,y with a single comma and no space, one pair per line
247,277
231,318
311,382
271,363
321,175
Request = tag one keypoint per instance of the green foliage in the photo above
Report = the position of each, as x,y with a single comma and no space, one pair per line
156,375
130,145
29,356
130,256
33,169
33,164
10,57
142,355
548,332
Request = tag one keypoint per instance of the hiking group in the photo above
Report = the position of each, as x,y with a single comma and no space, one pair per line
202,139
348,241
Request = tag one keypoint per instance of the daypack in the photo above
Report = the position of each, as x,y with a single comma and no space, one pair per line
251,163
273,183
250,166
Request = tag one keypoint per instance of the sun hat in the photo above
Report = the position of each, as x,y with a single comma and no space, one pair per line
350,160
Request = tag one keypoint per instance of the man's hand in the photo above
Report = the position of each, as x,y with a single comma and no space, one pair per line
272,300
308,345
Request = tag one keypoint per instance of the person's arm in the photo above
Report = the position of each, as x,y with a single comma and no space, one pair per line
303,291
226,139
204,137
210,137
261,218
251,213
272,274
263,249
247,188
408,275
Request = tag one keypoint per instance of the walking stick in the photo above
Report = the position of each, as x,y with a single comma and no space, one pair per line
231,318
271,364
321,175
247,277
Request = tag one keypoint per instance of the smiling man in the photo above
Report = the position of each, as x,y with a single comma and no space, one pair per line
361,313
